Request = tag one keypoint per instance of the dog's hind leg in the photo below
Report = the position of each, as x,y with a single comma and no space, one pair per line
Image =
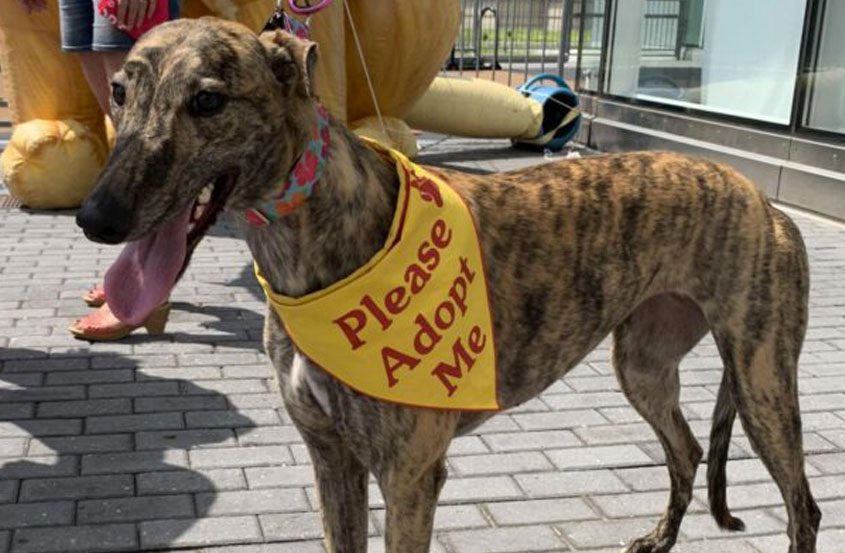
766,394
759,320
759,334
647,348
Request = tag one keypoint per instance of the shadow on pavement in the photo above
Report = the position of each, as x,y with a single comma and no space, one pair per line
89,440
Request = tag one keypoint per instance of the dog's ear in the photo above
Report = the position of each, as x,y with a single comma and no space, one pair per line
292,60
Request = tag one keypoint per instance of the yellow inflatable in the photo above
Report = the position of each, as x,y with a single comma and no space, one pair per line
60,139
462,106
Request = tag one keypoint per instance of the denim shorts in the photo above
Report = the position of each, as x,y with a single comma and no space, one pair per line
84,29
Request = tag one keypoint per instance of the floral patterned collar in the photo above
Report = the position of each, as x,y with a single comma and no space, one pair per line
299,184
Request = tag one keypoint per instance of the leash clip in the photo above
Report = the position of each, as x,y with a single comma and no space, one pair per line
282,21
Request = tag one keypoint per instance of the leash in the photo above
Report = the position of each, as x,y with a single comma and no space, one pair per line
364,66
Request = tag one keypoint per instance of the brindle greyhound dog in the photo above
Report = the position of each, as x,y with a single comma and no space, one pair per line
655,248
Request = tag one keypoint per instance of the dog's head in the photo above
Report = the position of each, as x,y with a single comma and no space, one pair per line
207,114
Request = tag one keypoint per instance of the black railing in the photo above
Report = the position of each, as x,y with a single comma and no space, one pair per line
506,31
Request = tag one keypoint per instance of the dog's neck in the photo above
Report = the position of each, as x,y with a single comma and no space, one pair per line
338,229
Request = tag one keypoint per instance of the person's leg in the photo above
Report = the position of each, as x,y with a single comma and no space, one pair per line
94,69
110,47
106,50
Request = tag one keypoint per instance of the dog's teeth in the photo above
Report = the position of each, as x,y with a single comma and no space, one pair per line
205,195
198,212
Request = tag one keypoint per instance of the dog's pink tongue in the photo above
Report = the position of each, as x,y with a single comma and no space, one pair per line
144,274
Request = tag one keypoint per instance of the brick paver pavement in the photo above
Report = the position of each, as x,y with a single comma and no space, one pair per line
181,442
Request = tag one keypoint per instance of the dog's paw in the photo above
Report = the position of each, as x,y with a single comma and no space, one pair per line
649,544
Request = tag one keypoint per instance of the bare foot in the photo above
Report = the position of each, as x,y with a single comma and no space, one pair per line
96,296
103,325
100,324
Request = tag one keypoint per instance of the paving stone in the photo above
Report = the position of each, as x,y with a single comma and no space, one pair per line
515,441
82,487
133,423
700,526
25,515
182,373
592,400
12,411
598,457
131,509
254,401
283,477
291,526
12,447
230,419
184,481
488,488
204,387
8,492
40,467
265,435
616,434
641,504
501,463
519,539
829,463
252,502
447,517
84,408
535,511
560,420
548,484
41,428
90,376
144,461
466,445
593,534
82,444
185,439
136,389
311,546
195,403
199,532
106,538
240,457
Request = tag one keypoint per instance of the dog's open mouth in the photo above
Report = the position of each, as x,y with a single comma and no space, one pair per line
144,274
208,205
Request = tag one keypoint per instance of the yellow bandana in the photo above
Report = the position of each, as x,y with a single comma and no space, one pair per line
413,325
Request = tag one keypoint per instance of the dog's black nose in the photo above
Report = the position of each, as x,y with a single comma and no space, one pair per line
104,219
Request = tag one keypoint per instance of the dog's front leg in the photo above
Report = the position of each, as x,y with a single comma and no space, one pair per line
410,508
411,479
341,477
342,490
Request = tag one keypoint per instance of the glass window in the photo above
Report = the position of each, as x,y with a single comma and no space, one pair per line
733,57
826,99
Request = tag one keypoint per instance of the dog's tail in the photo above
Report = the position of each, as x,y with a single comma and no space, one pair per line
717,458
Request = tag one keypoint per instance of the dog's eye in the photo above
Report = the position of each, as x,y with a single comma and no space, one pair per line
118,94
207,103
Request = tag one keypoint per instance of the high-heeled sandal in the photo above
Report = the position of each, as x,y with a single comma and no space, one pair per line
87,328
95,297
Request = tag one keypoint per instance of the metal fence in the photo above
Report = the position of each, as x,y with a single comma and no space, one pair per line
533,36
499,34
